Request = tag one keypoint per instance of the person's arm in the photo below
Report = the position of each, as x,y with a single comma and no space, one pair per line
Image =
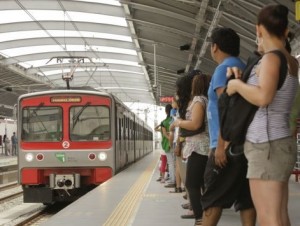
268,78
220,155
157,128
196,121
164,132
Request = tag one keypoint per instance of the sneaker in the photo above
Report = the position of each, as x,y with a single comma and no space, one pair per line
188,216
198,222
186,206
168,176
159,179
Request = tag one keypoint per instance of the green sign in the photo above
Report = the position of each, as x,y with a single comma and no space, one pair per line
61,157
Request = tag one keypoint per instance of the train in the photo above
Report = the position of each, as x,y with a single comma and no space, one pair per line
72,140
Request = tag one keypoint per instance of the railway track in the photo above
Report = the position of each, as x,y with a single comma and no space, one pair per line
7,186
10,191
41,216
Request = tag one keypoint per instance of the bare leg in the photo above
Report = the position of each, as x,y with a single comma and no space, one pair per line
284,206
211,216
267,198
248,217
177,173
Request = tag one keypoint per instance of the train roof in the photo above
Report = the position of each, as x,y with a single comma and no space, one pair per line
66,91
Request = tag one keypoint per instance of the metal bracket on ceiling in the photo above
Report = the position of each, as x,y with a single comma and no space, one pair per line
214,23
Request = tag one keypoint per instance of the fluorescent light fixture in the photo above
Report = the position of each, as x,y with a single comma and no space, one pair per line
124,88
14,16
83,68
14,52
19,35
108,2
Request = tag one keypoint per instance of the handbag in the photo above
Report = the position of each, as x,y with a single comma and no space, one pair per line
189,133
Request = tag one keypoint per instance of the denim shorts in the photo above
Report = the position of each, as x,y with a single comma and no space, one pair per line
273,160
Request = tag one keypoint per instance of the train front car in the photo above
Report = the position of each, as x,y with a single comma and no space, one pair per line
66,144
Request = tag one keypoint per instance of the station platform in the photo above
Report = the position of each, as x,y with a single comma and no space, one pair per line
8,160
134,197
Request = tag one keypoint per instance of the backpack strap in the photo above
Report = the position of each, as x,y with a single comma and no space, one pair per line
252,61
283,67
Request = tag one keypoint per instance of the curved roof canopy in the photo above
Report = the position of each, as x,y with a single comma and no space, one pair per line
135,49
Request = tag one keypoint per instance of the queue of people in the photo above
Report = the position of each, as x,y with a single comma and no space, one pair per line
255,181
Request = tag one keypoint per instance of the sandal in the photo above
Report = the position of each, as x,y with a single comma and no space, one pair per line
177,190
198,222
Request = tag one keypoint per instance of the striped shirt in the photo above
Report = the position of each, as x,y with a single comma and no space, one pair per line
272,122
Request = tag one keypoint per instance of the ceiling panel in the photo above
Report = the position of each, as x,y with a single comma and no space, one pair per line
145,37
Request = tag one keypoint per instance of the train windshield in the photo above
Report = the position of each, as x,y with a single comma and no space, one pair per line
41,124
89,123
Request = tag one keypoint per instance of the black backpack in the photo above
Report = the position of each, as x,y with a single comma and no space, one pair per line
236,113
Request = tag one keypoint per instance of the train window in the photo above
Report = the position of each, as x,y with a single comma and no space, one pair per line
41,123
89,123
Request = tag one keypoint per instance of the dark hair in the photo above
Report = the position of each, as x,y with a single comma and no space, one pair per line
288,40
183,91
274,18
288,46
227,40
200,85
168,109
195,72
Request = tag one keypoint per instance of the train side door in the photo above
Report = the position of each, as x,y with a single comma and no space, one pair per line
119,138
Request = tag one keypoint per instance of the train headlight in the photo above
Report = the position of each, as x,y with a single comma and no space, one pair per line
102,156
29,157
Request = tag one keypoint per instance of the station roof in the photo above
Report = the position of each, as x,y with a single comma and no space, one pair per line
135,49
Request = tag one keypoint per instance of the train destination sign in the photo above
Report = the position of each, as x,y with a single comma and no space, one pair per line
166,99
65,99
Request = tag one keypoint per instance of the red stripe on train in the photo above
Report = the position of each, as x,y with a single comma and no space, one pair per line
88,176
73,145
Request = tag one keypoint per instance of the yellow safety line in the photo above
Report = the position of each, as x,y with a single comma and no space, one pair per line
127,207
